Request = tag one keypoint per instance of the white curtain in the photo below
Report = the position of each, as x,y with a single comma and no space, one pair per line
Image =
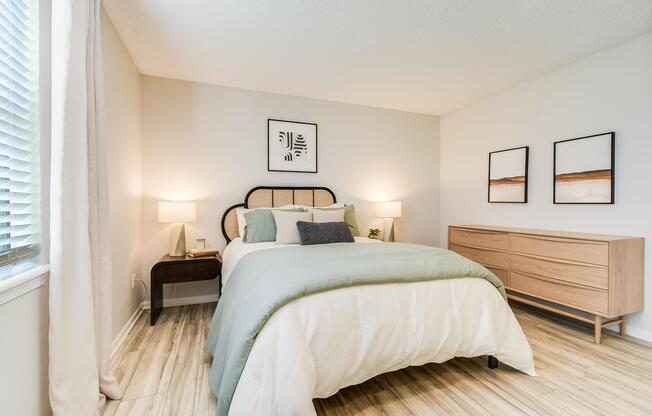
80,285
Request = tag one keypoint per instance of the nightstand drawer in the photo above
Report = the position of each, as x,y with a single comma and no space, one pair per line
187,272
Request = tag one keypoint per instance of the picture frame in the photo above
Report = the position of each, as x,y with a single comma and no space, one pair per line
291,146
584,170
508,176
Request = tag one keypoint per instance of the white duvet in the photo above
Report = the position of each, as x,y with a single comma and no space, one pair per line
316,345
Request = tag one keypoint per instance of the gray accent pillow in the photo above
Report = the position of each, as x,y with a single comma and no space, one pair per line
261,226
324,232
349,217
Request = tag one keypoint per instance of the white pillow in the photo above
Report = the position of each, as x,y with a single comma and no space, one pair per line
321,215
308,207
286,225
242,222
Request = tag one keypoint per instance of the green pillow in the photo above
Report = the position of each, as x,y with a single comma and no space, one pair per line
349,217
261,226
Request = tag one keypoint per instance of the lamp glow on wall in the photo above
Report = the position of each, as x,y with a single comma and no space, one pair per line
388,210
177,213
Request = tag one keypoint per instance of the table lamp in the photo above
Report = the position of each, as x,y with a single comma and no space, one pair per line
177,213
388,210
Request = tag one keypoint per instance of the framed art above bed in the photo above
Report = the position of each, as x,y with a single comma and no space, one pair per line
291,146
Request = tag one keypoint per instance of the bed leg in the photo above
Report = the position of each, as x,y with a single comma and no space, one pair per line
492,362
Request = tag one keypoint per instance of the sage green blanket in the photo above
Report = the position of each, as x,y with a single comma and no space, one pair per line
264,281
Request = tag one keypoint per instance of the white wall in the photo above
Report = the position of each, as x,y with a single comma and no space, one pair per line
24,354
610,91
209,144
123,123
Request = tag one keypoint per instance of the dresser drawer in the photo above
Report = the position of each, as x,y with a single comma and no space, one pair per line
503,275
585,251
478,238
563,293
485,257
593,276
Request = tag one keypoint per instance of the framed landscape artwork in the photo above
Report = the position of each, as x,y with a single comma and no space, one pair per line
584,170
291,146
508,174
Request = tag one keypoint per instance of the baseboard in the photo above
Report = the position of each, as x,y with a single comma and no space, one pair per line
122,335
639,333
191,300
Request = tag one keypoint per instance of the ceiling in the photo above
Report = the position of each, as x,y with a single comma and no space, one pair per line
426,56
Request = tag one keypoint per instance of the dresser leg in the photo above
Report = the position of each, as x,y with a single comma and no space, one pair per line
623,326
598,329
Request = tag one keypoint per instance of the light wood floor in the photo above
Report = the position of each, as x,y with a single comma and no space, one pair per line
163,371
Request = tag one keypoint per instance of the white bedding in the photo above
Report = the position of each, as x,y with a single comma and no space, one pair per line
318,344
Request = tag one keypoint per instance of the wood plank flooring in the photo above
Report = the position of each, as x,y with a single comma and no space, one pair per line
164,371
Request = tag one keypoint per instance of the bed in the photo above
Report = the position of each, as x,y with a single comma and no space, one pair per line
300,322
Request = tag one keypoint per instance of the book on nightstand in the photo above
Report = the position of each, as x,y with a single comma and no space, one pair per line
204,252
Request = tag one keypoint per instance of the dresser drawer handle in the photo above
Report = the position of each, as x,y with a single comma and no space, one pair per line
560,239
474,231
560,261
559,282
495,250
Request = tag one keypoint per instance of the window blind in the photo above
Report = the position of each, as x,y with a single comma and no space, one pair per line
19,130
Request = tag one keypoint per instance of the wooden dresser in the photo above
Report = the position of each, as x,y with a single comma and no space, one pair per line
598,274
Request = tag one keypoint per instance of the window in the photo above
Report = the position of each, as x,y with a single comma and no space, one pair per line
19,131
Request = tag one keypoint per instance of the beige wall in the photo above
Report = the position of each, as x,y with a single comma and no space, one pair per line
24,354
609,91
123,121
209,144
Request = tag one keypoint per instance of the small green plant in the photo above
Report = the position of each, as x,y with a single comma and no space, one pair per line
374,233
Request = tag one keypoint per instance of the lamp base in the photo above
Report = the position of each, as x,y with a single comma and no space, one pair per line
177,240
388,230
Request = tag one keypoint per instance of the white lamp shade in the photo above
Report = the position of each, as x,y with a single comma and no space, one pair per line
179,212
391,209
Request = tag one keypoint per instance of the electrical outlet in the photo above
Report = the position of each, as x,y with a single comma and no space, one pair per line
133,281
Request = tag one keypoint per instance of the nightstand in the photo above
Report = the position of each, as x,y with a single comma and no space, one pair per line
180,270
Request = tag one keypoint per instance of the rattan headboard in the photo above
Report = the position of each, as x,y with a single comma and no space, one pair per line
276,196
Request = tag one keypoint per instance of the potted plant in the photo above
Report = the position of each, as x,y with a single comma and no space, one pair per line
374,233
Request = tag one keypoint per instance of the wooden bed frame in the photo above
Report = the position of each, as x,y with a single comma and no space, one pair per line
275,196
